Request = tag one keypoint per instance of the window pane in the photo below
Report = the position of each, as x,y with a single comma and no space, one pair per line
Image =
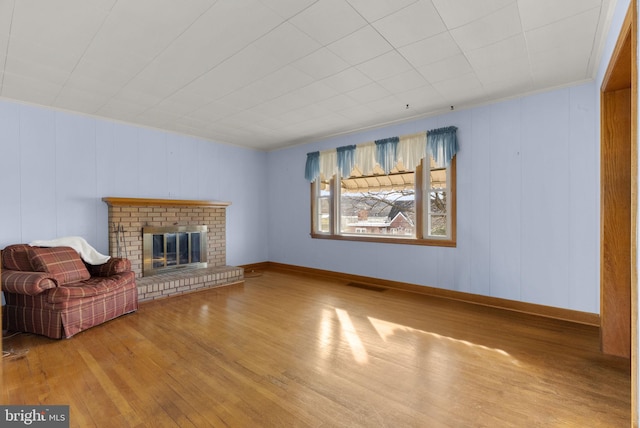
438,225
323,215
438,179
438,202
378,205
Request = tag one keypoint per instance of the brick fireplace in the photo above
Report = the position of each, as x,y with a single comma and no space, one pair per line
127,217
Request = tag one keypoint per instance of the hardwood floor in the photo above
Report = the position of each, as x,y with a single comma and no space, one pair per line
282,350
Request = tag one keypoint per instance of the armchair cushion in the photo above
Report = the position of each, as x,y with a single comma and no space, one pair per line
94,286
63,263
113,266
16,257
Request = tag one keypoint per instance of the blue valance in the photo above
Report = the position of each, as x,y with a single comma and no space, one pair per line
442,145
312,168
346,159
387,153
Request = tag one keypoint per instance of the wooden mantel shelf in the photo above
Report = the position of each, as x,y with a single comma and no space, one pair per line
147,202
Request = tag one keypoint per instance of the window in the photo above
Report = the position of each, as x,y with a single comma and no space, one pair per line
409,207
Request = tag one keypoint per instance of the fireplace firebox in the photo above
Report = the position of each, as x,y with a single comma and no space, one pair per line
169,248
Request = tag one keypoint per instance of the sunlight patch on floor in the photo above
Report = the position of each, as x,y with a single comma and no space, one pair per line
386,329
351,335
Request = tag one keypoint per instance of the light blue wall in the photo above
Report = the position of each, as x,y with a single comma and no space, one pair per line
57,167
528,193
528,206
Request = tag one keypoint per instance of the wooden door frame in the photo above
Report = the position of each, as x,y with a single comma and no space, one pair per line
619,174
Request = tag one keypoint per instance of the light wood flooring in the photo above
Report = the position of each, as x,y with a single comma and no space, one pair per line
284,350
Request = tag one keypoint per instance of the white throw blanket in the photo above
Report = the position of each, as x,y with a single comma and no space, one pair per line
86,251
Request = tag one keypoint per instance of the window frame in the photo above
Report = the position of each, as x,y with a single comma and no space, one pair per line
422,191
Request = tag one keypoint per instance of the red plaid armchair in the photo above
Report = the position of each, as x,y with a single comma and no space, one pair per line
52,292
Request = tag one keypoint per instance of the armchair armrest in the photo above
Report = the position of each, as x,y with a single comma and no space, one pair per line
113,266
29,283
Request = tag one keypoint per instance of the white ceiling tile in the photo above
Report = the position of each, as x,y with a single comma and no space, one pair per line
79,100
156,118
123,36
422,99
30,51
446,69
302,97
214,38
538,13
430,50
461,88
230,75
6,12
328,20
567,68
360,46
390,106
374,10
171,15
418,21
357,113
570,34
304,114
285,80
27,89
288,8
214,111
286,44
36,71
368,93
517,71
506,88
500,25
501,53
274,108
105,69
321,63
91,85
75,24
460,12
402,82
384,66
315,92
338,102
347,80
143,99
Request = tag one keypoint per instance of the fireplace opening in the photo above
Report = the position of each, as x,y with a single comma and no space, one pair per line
169,248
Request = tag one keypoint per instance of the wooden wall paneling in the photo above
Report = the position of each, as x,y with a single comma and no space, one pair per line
545,213
584,202
481,164
75,174
506,202
10,218
37,173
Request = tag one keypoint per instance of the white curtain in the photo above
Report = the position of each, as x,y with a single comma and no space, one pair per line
366,157
412,149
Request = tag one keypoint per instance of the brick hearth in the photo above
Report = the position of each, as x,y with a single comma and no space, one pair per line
132,214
